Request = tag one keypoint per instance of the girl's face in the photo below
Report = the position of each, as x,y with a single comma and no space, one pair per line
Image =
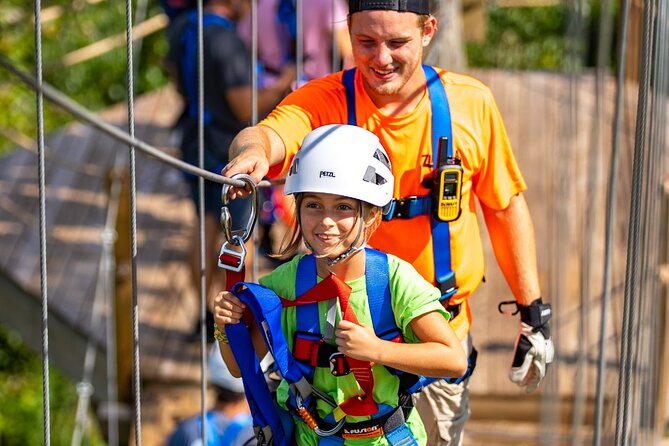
329,222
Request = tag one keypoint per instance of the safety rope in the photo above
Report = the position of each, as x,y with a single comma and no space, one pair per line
42,226
586,225
133,224
85,115
299,42
647,350
611,208
254,115
201,223
629,324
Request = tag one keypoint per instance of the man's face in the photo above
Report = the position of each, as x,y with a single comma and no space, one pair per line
388,49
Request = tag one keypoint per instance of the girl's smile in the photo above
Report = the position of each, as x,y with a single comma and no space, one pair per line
329,223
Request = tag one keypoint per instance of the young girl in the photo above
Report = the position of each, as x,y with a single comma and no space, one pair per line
341,181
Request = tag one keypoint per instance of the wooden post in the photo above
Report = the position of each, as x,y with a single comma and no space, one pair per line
123,306
634,40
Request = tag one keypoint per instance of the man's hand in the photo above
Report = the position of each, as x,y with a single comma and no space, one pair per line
534,347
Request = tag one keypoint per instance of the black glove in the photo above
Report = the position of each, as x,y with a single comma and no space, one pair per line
534,347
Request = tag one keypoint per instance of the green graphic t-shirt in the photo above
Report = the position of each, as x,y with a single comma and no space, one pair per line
411,296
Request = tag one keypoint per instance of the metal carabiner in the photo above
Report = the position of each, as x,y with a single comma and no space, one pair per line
226,218
302,410
229,258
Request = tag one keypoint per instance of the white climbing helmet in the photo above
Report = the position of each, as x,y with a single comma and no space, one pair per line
344,160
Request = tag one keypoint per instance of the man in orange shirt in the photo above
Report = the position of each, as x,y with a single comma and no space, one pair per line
392,95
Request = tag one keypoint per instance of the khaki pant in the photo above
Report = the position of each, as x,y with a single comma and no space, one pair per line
444,409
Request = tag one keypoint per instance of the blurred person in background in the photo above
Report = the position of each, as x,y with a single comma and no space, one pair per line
229,421
227,109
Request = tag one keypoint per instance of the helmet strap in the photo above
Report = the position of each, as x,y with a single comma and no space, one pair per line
350,251
353,249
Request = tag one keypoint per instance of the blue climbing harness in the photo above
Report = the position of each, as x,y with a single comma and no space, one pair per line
273,424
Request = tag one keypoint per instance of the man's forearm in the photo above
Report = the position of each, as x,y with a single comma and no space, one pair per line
515,248
248,138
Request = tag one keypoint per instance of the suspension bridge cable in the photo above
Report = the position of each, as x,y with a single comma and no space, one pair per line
631,273
133,225
254,114
611,193
42,226
202,261
655,194
576,29
299,42
85,115
105,275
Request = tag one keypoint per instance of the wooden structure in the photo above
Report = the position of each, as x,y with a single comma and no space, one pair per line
552,152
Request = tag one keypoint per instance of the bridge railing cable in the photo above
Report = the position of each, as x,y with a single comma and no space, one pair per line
42,224
78,111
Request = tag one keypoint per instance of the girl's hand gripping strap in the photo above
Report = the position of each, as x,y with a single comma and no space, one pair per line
273,424
265,306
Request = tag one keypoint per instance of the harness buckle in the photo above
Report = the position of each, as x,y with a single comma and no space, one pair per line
339,365
232,259
402,207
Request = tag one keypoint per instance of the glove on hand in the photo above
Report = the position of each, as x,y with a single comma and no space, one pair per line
533,348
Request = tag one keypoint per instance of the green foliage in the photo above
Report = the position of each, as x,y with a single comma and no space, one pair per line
95,83
21,407
528,38
554,38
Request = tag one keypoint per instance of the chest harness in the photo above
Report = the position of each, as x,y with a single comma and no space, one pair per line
311,349
413,206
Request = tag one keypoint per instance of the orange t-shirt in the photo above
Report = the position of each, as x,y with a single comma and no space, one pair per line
490,170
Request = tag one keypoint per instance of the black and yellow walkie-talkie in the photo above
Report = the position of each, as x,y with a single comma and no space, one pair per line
447,186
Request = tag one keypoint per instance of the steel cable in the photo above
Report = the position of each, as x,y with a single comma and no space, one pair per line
136,373
611,194
632,274
85,115
42,226
201,222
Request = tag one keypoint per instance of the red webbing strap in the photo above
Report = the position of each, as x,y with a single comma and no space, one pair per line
361,405
233,277
328,288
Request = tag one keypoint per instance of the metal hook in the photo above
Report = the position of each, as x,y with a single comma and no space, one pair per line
226,219
318,430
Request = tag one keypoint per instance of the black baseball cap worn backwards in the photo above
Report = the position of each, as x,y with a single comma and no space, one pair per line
415,6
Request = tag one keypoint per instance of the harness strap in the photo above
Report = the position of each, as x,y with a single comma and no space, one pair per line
362,405
391,425
411,207
273,424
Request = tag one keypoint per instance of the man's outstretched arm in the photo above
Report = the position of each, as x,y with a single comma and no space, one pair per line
252,152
